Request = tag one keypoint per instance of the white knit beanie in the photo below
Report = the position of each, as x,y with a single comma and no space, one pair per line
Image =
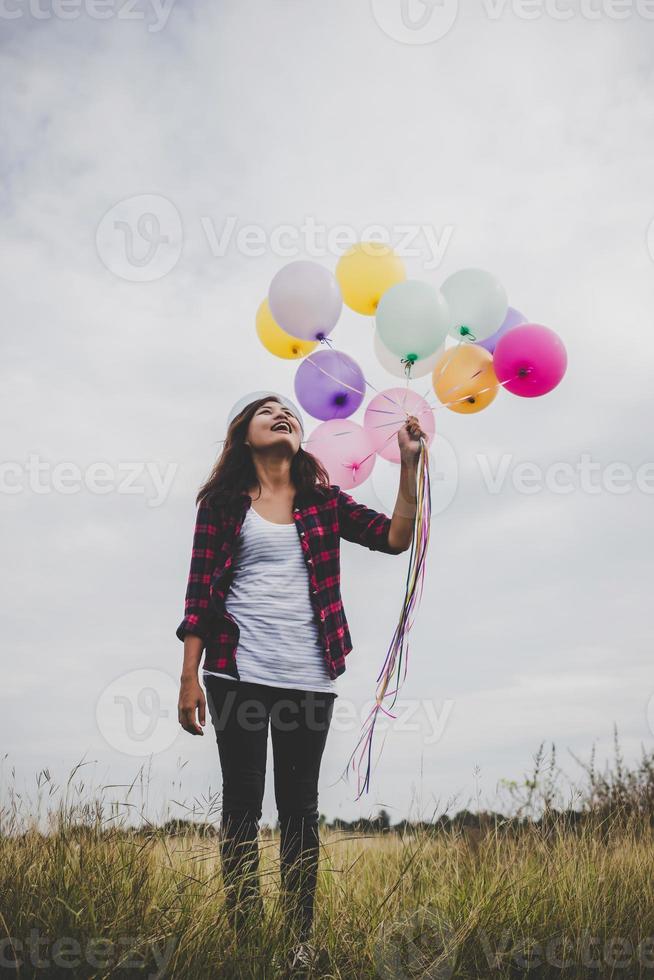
253,396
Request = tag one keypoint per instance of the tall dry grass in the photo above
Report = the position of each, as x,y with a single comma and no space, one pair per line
508,896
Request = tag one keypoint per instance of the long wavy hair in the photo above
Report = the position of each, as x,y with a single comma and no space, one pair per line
234,471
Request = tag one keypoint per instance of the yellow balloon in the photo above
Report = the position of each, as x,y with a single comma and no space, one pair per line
276,340
464,378
364,274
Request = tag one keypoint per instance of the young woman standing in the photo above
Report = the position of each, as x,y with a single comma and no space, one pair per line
263,600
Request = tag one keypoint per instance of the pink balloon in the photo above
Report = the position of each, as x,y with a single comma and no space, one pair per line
530,359
386,415
345,450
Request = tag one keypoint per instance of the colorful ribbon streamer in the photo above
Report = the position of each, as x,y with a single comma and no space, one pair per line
393,671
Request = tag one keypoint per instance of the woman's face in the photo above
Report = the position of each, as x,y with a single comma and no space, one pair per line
274,425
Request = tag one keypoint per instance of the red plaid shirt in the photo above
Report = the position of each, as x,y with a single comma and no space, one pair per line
322,519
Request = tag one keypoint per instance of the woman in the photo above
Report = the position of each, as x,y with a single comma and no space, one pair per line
263,599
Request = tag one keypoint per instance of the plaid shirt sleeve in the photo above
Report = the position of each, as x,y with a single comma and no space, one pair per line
362,525
197,606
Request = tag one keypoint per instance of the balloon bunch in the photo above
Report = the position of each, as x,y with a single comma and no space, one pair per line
464,335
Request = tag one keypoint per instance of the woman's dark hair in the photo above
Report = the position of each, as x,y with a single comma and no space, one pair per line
234,471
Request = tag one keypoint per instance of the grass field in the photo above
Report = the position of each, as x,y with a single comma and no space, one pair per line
505,898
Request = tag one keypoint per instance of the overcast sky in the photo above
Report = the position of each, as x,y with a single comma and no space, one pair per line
253,133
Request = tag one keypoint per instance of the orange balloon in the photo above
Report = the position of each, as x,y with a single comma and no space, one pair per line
464,379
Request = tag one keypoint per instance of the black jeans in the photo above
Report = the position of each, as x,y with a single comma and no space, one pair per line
299,721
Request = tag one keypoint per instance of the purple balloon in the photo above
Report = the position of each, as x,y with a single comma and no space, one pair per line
329,385
512,319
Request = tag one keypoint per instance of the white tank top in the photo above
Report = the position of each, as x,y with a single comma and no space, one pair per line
279,642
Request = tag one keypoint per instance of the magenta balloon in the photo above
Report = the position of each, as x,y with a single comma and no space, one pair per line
329,384
386,415
530,360
345,450
512,319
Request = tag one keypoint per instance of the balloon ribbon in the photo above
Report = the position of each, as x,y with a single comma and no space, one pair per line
393,671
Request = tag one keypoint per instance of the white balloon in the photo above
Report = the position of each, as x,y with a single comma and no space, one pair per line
305,300
477,302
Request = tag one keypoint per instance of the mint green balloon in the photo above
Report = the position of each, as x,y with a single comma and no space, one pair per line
413,319
478,303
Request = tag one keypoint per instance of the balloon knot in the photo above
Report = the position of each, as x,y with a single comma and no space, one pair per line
467,332
408,362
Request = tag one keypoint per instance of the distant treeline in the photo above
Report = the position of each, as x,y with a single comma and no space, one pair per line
620,794
464,822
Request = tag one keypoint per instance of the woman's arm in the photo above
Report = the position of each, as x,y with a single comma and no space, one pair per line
400,533
362,525
197,602
196,625
191,695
